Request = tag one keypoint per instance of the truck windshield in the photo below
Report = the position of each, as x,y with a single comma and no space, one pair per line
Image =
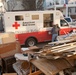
63,23
68,19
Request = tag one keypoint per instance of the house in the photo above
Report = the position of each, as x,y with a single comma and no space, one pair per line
67,7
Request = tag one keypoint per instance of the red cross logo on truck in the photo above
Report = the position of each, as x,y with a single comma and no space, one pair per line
16,25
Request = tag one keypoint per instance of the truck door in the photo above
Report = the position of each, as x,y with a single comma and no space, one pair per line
48,20
65,29
47,25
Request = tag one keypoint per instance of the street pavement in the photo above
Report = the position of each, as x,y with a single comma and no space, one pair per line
39,44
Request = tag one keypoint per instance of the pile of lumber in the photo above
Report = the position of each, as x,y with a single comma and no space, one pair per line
68,36
60,51
53,60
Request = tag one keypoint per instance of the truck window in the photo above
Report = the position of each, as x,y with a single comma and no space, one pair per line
63,23
35,17
48,20
19,18
68,19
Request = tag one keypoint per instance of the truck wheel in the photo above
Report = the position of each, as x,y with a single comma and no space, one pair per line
30,42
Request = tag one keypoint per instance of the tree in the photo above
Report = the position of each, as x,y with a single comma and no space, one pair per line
29,4
11,5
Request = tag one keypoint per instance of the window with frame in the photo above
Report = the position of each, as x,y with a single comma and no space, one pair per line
48,20
70,10
63,23
19,18
35,17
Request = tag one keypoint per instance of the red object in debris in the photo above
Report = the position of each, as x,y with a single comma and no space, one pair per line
64,5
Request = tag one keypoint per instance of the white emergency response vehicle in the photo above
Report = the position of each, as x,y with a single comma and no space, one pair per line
32,27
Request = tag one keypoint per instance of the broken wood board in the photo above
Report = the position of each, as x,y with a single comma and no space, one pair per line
62,41
65,50
49,52
51,67
9,49
31,50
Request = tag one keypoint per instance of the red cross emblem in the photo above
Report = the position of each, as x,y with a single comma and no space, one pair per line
16,25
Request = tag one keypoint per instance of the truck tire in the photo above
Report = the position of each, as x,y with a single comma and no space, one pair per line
30,42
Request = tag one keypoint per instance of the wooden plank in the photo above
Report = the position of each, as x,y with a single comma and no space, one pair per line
31,50
64,49
63,41
60,49
36,73
9,49
50,67
46,69
57,51
9,73
57,55
64,45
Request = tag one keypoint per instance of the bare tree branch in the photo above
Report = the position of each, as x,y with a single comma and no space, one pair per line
29,4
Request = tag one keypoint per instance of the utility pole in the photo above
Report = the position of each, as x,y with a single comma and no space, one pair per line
54,9
55,5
